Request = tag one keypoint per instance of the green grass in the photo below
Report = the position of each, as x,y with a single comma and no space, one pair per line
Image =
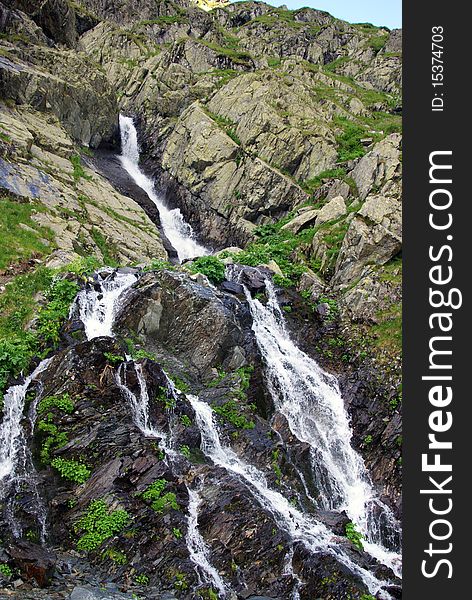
18,305
236,56
348,141
20,236
226,124
109,251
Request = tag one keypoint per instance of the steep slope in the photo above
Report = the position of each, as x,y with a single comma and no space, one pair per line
277,134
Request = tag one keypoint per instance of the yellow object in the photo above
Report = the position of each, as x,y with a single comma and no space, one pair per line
211,4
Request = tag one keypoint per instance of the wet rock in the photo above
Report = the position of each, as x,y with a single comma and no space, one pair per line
35,562
251,277
89,593
232,287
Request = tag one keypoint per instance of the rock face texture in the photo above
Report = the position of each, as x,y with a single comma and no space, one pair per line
278,136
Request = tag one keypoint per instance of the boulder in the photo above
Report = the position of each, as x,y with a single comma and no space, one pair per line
305,219
34,561
373,238
334,209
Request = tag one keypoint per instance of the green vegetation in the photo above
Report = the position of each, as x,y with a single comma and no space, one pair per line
211,266
62,403
349,140
20,236
275,465
185,451
230,411
180,582
160,502
240,57
99,524
354,536
185,420
226,124
71,470
113,359
142,579
51,317
109,250
377,42
18,304
115,556
166,397
78,170
177,533
5,570
368,440
52,440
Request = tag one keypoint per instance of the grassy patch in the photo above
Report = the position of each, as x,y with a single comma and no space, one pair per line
236,56
20,236
109,250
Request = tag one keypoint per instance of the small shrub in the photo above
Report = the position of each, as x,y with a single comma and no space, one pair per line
5,570
160,502
211,266
99,524
185,420
354,536
230,412
71,470
185,450
177,533
142,579
368,440
113,359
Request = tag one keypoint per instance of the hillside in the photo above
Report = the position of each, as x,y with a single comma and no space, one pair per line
277,135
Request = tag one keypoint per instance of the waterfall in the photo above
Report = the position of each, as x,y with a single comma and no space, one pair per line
179,233
97,306
16,466
299,526
199,551
311,402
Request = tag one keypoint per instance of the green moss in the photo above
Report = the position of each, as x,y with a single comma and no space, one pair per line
78,170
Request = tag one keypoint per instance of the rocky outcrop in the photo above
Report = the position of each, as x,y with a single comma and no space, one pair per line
84,213
228,191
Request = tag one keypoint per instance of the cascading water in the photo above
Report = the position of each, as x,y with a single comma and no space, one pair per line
179,233
16,466
97,305
300,527
311,402
198,550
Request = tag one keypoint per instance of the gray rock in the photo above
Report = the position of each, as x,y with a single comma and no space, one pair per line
334,209
305,219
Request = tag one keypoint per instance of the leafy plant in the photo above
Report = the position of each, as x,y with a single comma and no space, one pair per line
62,403
368,440
354,536
99,524
5,570
160,502
177,533
185,450
71,470
115,556
113,359
53,439
142,579
211,266
230,411
185,420
60,296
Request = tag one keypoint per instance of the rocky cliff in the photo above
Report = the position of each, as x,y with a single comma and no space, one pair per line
278,136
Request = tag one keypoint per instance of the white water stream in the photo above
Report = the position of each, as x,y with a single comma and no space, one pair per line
311,402
300,527
179,233
17,472
98,305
